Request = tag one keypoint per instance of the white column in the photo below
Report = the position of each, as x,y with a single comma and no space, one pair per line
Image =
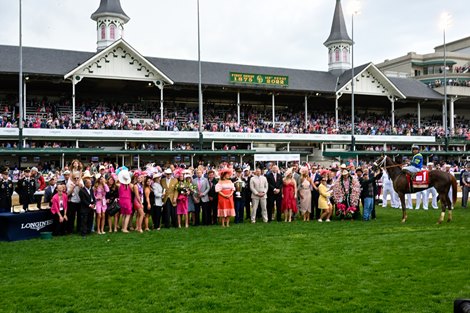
306,117
138,161
238,108
62,161
419,114
161,105
171,145
274,111
451,113
122,161
337,112
73,101
288,147
392,100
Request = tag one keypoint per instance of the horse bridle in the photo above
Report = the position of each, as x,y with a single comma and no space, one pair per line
382,163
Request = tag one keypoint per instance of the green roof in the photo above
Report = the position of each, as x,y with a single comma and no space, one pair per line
433,62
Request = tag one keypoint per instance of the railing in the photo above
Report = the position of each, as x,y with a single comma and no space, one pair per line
117,135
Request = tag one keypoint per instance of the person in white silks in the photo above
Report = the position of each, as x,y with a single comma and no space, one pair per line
447,170
431,191
387,189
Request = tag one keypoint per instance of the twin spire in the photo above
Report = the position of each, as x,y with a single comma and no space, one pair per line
110,19
338,44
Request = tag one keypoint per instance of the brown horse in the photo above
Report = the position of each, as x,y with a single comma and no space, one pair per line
440,180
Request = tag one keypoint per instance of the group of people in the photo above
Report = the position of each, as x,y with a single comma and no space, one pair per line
85,200
224,119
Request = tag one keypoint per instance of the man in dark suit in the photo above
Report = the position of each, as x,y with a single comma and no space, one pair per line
247,193
213,196
87,205
50,191
274,179
316,178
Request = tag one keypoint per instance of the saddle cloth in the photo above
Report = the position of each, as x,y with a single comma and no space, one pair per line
421,179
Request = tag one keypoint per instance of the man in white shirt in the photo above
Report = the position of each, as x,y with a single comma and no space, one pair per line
431,191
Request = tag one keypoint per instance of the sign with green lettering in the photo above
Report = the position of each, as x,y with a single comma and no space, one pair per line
259,79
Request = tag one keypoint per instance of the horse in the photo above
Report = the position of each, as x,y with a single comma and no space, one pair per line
440,180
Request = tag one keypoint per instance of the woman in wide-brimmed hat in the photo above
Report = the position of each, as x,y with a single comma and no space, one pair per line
125,197
225,188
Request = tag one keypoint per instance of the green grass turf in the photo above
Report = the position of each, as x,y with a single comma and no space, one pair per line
377,266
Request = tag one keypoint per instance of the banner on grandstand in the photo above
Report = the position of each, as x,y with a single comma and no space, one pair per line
259,79
273,157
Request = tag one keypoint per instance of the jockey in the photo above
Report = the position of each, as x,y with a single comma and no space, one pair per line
416,163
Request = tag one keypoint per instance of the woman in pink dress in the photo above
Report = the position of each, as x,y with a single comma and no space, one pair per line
100,189
59,210
138,190
182,200
225,188
289,196
125,198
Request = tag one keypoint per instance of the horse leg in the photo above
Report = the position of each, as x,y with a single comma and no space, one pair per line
449,207
403,207
443,200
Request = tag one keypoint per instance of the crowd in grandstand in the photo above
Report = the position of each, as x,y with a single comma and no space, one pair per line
224,119
86,199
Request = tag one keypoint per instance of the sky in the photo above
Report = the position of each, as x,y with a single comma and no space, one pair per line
276,33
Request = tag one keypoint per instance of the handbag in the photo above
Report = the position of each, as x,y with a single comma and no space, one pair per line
113,208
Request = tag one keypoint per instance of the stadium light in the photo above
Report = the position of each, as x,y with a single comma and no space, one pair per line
201,127
20,96
445,22
354,9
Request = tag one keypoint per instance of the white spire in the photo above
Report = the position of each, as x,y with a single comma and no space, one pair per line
110,19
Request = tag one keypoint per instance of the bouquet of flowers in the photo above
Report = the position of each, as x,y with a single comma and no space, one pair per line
345,211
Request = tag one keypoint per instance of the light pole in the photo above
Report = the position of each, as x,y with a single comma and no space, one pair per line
445,23
20,97
201,126
354,8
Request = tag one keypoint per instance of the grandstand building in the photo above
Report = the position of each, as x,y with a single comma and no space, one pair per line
429,69
119,105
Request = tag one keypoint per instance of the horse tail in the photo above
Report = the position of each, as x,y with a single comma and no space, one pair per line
454,189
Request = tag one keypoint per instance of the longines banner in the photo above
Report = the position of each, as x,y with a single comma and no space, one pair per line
259,79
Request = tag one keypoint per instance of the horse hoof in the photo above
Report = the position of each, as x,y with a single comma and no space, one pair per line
439,222
403,221
449,220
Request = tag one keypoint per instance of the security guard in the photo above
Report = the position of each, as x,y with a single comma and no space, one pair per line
26,187
6,190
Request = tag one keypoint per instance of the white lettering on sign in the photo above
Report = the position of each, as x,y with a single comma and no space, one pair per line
37,225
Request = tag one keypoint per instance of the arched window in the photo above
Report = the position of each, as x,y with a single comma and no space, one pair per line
112,32
103,31
336,55
345,55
